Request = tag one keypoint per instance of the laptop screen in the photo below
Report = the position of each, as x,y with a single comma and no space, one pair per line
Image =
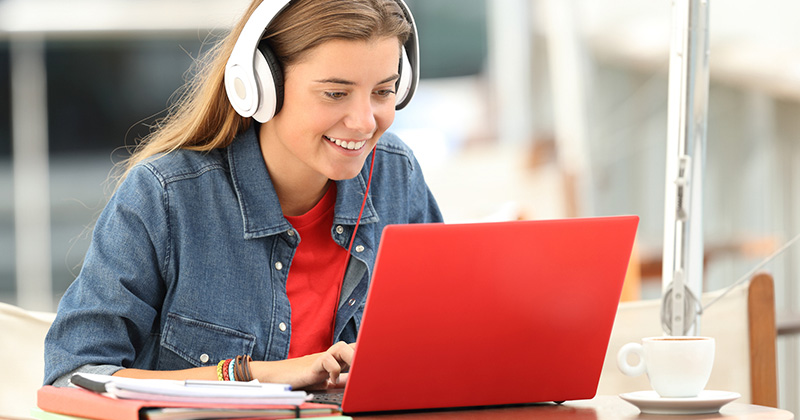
481,314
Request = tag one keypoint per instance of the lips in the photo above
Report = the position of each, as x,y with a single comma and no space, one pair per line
349,145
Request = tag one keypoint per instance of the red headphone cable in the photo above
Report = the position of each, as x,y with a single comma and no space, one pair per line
352,240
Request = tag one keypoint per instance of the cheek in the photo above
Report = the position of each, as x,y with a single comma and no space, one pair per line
384,117
312,120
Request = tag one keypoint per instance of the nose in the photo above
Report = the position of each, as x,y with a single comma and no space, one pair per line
361,116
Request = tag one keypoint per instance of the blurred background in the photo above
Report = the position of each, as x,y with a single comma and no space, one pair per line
527,109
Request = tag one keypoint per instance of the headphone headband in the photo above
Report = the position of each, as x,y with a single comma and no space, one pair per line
254,80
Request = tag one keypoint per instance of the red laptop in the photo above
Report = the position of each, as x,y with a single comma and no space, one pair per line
464,315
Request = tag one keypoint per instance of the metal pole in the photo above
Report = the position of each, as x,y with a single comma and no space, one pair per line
569,103
686,137
31,172
510,68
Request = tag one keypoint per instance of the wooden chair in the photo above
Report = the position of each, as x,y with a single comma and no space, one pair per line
743,325
22,350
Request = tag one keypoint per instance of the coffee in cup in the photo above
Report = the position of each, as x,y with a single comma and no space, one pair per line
677,366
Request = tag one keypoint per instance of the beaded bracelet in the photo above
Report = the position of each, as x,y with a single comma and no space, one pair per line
219,370
231,369
237,369
225,366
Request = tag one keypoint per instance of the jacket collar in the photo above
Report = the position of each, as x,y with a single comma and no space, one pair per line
350,195
258,201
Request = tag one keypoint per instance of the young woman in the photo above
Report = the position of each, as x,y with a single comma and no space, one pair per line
251,235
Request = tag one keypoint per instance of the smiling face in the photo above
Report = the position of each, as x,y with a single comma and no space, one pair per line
338,100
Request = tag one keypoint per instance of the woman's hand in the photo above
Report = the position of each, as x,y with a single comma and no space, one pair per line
315,371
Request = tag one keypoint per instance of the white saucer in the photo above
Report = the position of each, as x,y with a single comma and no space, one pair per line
707,402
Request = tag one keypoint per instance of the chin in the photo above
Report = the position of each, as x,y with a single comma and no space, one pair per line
341,176
349,169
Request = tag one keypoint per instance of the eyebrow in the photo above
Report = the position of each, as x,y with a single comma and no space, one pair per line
338,81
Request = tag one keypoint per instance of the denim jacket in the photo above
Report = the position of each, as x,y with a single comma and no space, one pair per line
188,261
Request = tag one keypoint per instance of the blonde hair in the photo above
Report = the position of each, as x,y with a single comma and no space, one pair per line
202,119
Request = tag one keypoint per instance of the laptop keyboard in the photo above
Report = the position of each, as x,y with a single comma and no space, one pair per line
328,397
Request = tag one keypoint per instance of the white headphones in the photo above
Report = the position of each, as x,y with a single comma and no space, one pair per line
253,76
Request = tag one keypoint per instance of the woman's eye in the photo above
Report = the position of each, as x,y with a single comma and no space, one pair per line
335,95
384,92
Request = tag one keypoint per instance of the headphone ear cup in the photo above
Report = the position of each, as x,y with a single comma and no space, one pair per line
405,81
269,77
409,62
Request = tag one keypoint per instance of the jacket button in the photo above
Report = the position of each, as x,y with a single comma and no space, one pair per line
339,229
360,248
282,326
351,302
279,266
204,358
290,232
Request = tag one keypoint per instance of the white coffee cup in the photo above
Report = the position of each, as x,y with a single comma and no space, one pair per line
677,366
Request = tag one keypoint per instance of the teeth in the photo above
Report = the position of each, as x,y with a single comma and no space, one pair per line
352,145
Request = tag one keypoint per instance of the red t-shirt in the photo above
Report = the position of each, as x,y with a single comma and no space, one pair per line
314,278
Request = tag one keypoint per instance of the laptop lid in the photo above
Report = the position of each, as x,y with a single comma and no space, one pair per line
462,315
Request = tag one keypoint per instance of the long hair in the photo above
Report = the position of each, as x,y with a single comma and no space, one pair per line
202,119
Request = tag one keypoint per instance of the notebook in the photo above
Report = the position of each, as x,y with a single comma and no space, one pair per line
465,315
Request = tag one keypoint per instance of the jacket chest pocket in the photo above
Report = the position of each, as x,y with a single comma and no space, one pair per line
188,343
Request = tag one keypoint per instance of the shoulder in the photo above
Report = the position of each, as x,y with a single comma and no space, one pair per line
180,165
163,182
393,149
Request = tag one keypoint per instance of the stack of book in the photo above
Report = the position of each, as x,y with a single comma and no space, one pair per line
103,397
